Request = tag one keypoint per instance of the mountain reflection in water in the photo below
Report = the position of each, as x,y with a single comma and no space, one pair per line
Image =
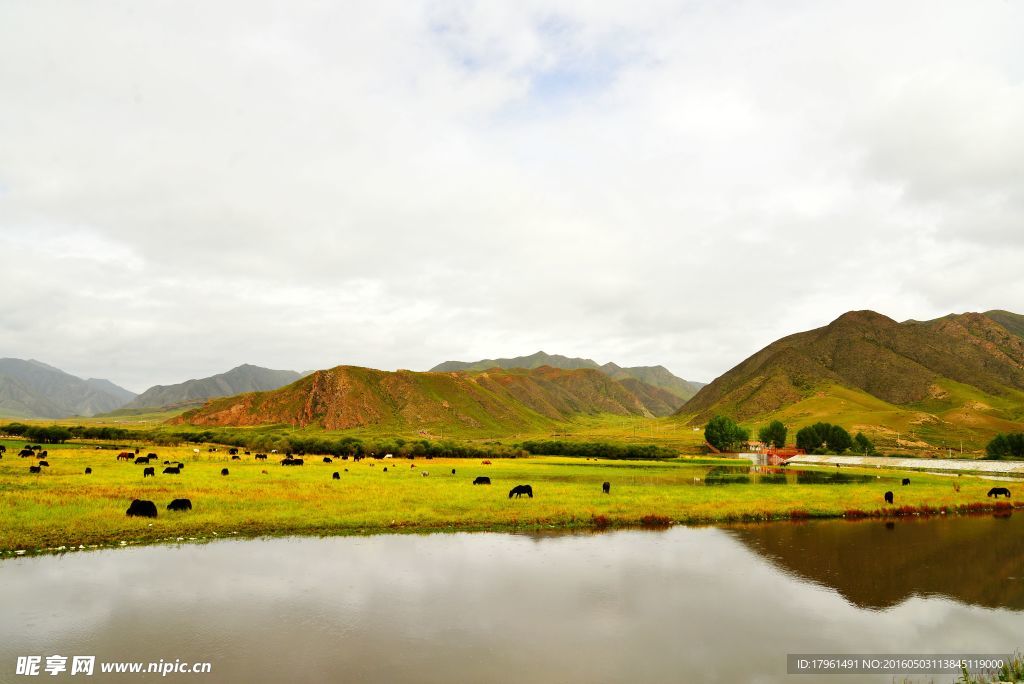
977,560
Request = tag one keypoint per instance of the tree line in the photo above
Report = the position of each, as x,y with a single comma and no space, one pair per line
598,450
1010,445
725,434
264,441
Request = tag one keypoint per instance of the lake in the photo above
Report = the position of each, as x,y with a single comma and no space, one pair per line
680,605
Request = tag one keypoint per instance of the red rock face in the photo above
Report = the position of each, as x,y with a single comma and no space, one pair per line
347,397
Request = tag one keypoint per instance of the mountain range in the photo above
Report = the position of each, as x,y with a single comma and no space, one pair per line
244,378
936,384
656,376
32,389
489,401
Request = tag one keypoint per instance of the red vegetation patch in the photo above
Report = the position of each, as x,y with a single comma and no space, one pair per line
799,514
601,521
856,513
655,521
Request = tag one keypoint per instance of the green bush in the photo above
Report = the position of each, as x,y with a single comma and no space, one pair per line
823,438
724,434
1006,446
773,434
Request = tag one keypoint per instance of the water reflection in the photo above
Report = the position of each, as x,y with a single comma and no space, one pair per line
726,475
682,605
977,560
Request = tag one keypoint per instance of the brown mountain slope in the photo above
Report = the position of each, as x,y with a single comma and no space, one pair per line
494,401
899,363
1011,321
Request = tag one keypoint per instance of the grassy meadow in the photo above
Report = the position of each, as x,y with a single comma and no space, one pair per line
64,507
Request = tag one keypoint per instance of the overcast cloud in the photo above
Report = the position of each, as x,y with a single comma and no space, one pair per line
186,186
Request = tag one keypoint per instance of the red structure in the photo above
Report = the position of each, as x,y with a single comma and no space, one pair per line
776,456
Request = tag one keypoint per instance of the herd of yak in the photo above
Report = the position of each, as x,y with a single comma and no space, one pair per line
147,509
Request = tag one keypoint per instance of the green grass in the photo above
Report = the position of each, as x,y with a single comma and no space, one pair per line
958,414
65,507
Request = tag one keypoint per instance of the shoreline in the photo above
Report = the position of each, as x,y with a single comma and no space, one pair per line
582,525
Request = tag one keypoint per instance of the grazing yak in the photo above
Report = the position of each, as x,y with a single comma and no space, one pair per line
906,481
35,469
224,471
42,454
171,470
424,473
485,463
327,459
519,490
888,497
180,505
26,453
453,471
606,487
151,456
88,471
236,458
43,464
289,461
141,508
385,469
126,456
999,491
148,472
336,475
261,457
482,480
232,451
142,459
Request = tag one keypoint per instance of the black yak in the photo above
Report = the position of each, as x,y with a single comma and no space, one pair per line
180,505
142,509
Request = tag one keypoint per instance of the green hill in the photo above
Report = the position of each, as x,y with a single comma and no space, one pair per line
490,402
930,382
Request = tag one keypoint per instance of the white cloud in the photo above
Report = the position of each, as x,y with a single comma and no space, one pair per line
187,187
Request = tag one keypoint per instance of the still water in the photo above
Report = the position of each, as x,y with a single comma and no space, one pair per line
681,605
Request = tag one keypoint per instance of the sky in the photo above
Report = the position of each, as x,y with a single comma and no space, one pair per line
188,186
